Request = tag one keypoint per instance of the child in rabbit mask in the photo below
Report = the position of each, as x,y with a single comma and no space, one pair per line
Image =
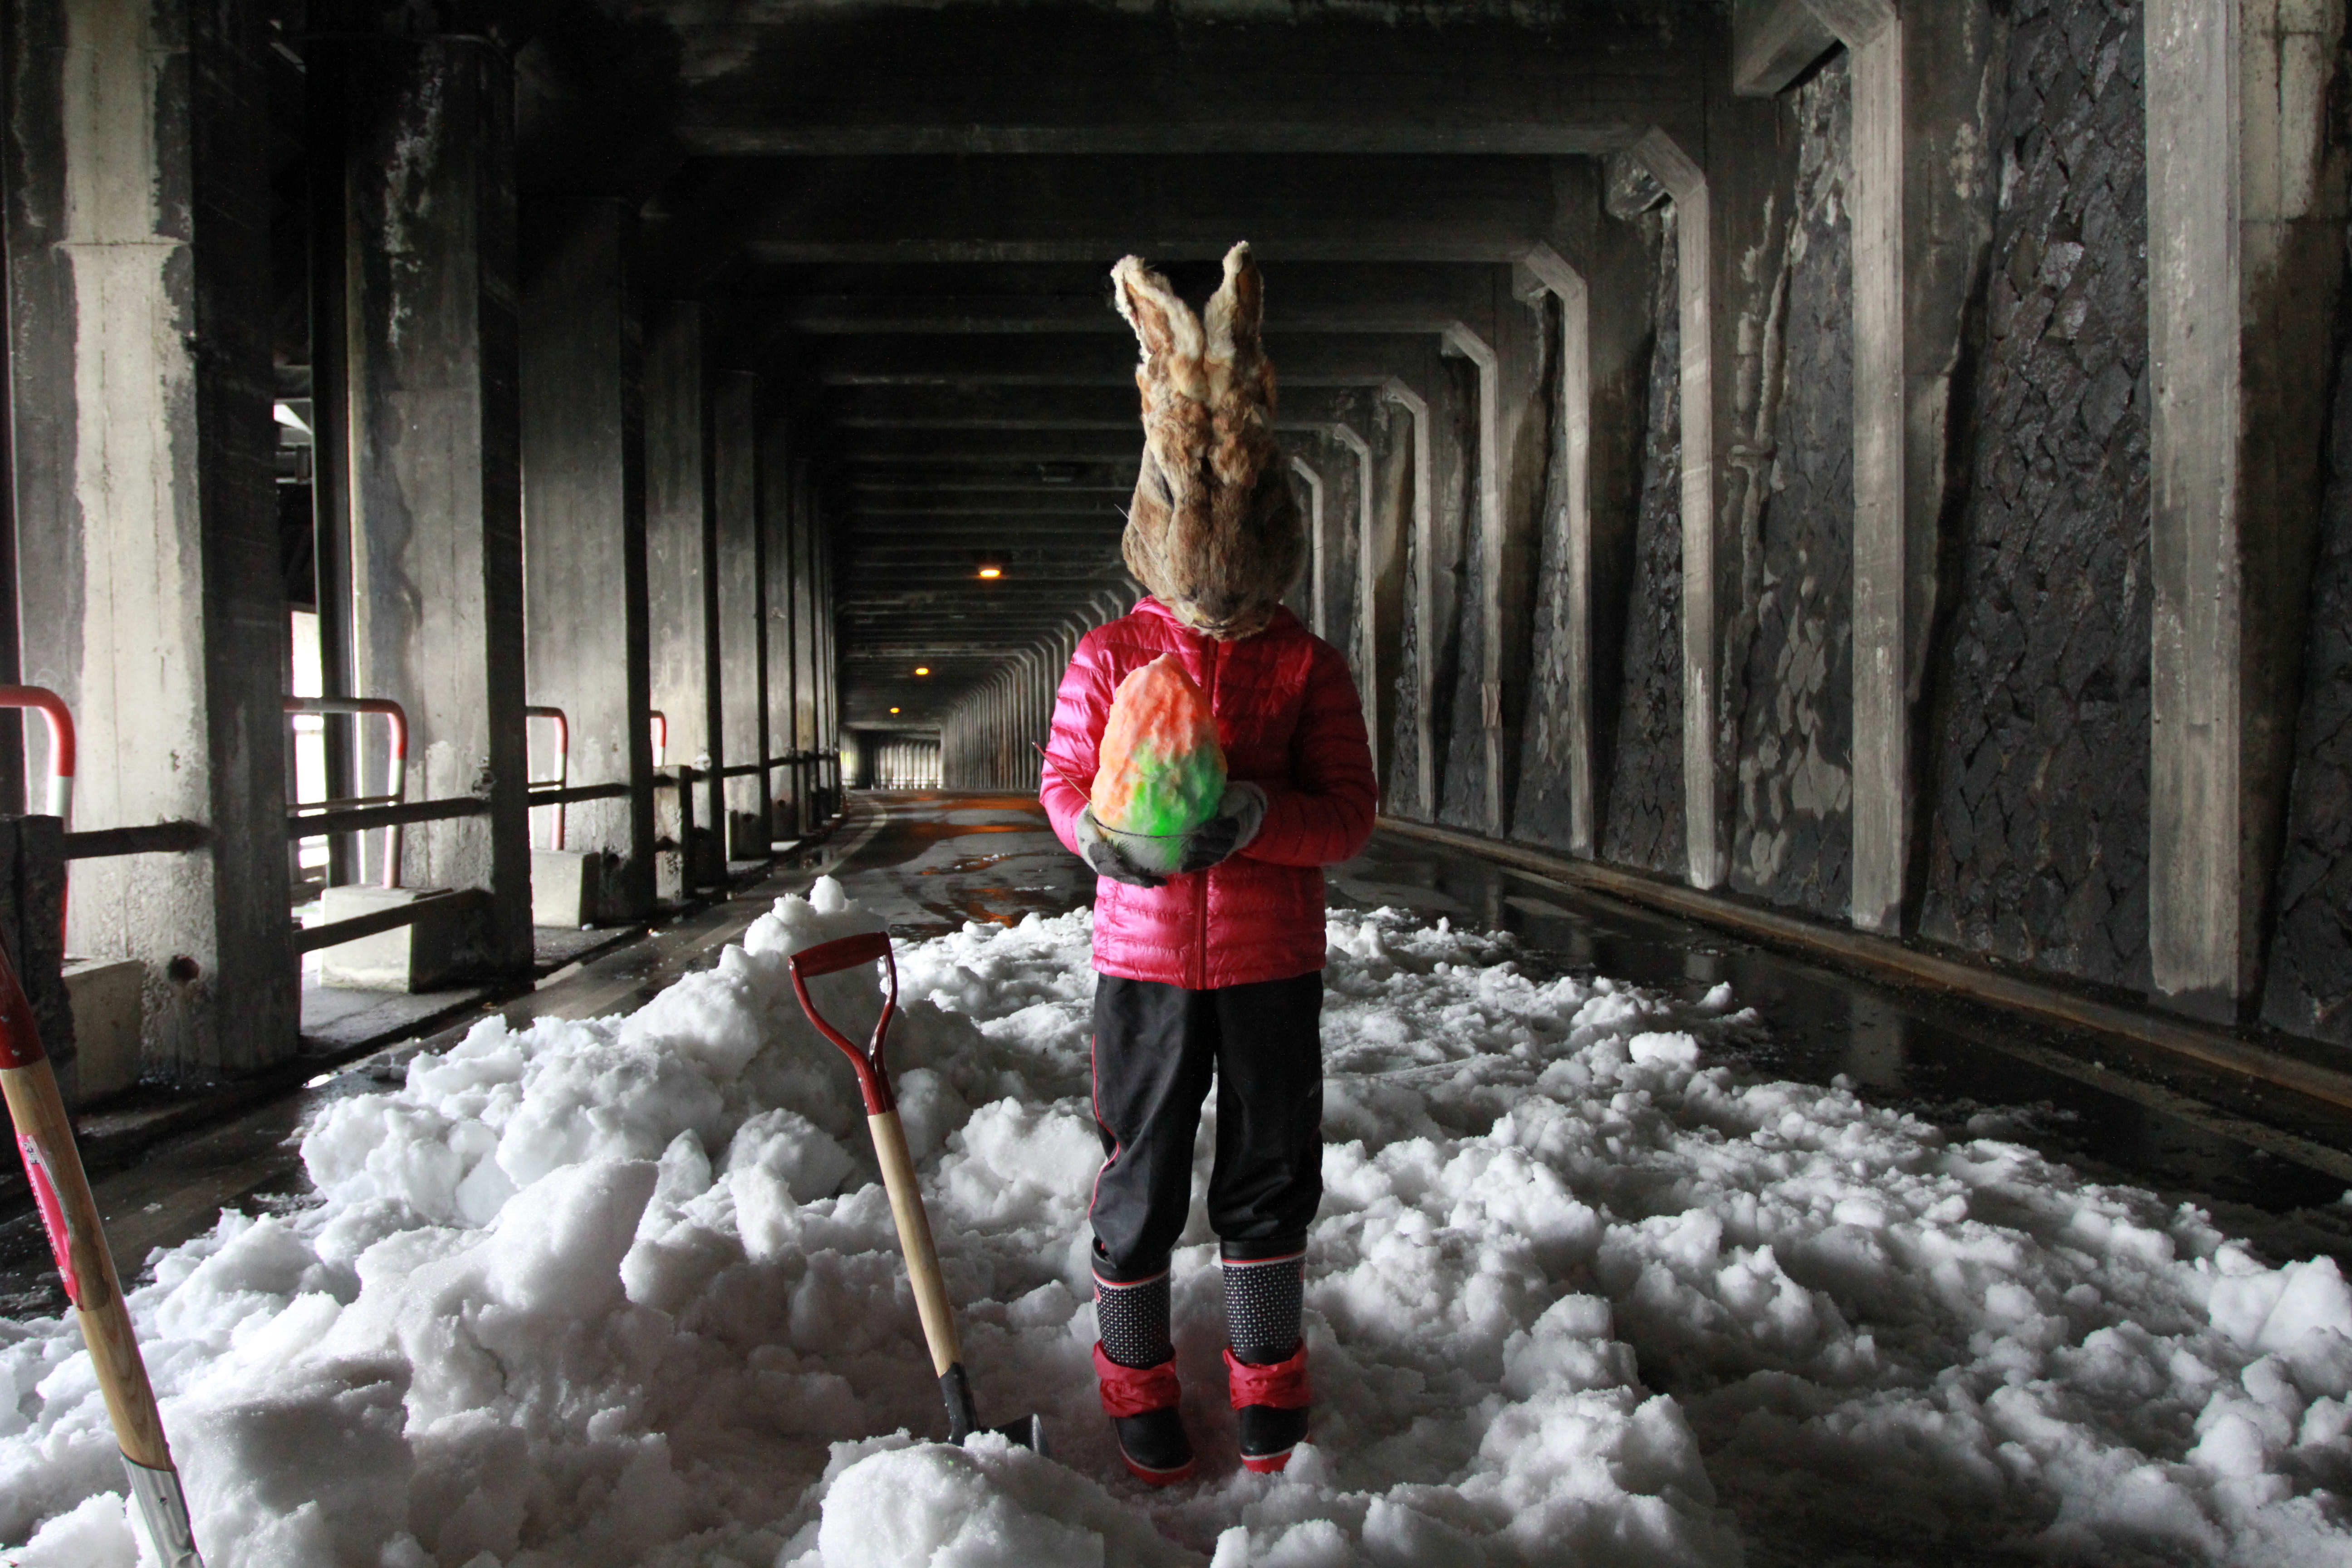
1216,970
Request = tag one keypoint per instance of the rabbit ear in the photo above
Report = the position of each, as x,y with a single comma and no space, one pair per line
1237,310
1165,325
1241,382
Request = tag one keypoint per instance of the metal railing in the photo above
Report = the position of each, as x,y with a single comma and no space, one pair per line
52,707
306,819
541,792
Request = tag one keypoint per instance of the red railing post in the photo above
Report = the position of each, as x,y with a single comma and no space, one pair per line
396,783
51,707
562,757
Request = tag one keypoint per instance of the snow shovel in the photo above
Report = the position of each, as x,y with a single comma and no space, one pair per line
69,1213
899,1180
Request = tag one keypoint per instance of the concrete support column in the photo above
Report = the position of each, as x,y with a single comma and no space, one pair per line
1366,588
585,528
147,574
682,591
1567,285
1460,340
742,635
1920,205
781,607
436,515
1318,618
805,721
1729,223
1423,608
2246,207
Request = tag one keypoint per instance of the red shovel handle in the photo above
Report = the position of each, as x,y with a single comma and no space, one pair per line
831,958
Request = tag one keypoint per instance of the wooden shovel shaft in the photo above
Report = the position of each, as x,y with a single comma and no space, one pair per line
915,1240
45,1138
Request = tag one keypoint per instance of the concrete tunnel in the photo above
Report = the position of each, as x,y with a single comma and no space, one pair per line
492,479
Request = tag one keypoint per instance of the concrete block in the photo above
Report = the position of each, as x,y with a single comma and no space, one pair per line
104,994
419,956
564,885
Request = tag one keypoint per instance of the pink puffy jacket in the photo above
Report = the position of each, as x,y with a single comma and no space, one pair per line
1289,720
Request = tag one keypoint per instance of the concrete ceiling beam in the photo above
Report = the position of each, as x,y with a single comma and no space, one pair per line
869,211
778,82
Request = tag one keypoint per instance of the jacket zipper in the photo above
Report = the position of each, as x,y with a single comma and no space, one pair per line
1201,947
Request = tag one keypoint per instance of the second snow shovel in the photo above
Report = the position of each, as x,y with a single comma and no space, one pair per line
898,1179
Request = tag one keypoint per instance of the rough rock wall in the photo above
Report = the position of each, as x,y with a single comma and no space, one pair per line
1641,797
1793,834
2309,985
2037,843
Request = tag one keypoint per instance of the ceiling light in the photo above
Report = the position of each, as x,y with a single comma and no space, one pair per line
991,573
894,710
922,670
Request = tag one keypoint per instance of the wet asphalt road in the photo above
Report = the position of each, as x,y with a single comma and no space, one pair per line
2268,1165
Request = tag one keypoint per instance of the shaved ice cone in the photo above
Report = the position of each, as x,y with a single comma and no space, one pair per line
1160,772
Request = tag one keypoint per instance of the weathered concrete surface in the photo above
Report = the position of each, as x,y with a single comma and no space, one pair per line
1641,796
783,616
149,587
2245,244
585,529
1792,835
2038,847
743,632
1592,486
437,514
2308,983
682,591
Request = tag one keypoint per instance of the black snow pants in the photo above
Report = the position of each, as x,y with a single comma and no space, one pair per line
1156,1048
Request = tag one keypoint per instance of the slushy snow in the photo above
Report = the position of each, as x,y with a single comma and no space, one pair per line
627,1292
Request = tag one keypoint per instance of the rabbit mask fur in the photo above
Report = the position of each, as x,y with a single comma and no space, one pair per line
1214,533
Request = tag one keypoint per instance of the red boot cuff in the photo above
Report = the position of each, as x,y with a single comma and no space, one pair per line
1282,1385
1132,1390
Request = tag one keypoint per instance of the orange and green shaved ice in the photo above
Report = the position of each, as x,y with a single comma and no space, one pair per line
1159,770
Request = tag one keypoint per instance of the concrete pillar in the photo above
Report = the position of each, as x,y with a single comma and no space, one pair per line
1422,610
149,588
804,640
1481,352
742,635
2245,217
1920,205
436,534
584,527
1575,721
1318,621
1729,227
682,590
780,571
1365,652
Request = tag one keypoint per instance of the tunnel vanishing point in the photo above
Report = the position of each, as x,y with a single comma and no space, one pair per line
1884,461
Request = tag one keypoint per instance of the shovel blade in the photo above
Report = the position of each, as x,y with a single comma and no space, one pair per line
1029,1432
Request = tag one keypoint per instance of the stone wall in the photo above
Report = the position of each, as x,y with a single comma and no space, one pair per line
2309,984
2038,767
1640,797
1793,831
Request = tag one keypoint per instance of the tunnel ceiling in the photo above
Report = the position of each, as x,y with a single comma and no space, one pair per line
904,218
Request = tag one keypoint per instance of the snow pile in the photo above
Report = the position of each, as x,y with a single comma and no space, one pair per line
628,1292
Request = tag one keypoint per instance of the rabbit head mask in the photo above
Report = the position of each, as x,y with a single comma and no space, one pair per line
1214,532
